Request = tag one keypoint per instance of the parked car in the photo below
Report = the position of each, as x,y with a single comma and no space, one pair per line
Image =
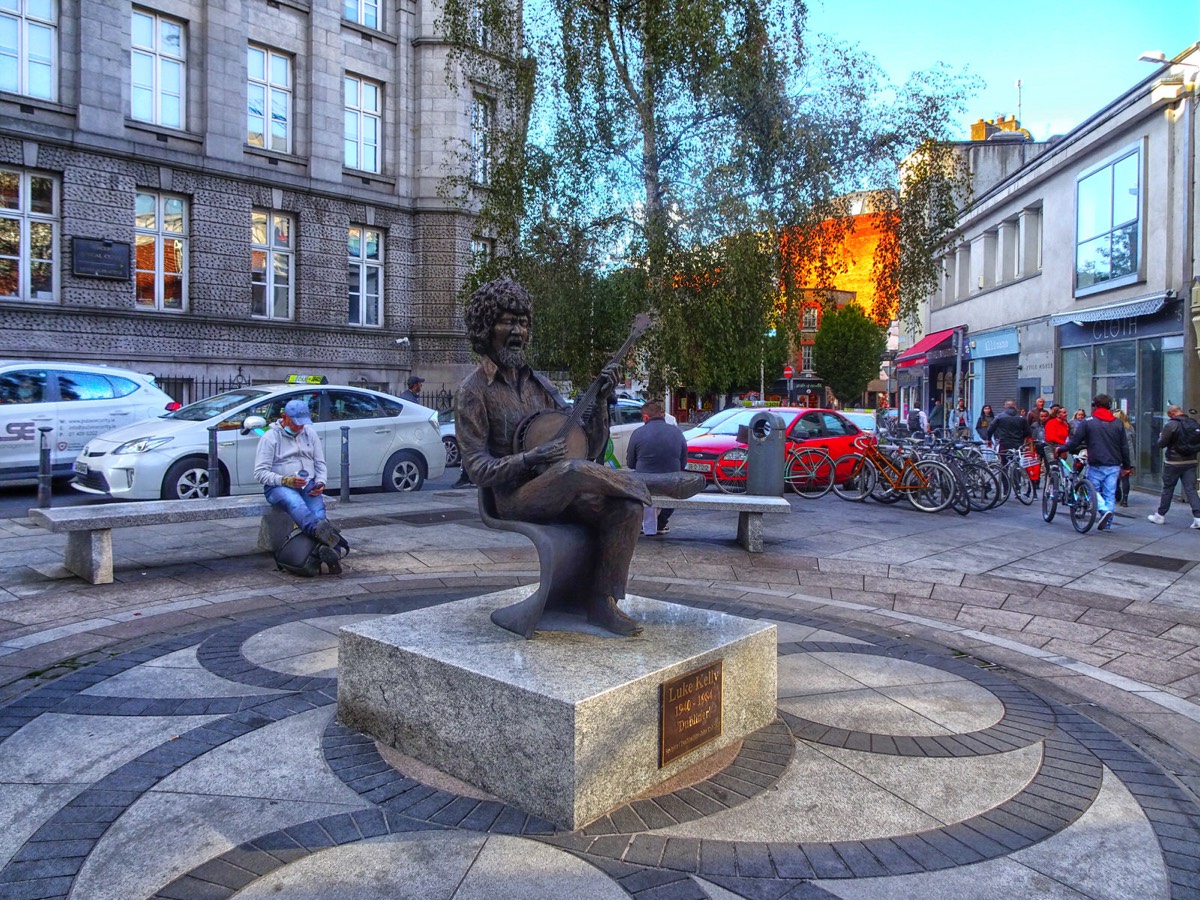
712,422
75,401
393,444
449,440
825,428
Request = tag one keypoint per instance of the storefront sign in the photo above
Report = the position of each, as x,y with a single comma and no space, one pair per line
1167,321
996,343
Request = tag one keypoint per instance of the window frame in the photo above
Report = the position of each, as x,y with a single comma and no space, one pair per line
269,90
272,251
483,112
361,115
158,57
161,236
26,219
22,55
806,357
359,267
356,11
1138,223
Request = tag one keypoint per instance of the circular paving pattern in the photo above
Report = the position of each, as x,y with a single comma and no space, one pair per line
887,761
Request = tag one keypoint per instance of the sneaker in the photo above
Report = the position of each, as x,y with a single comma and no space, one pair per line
1105,522
1195,523
1159,520
667,528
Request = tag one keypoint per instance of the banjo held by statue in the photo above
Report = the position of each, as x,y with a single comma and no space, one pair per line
548,425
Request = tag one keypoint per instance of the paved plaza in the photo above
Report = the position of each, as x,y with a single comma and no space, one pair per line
985,706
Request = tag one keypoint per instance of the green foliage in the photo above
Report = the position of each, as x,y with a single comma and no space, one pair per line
846,352
679,140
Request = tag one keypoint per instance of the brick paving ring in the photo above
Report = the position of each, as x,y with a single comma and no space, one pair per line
1026,720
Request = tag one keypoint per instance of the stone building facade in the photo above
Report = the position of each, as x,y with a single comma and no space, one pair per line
1076,273
191,187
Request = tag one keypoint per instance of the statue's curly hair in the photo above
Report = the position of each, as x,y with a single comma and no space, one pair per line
488,302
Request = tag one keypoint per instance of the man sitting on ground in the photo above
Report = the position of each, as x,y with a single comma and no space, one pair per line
290,465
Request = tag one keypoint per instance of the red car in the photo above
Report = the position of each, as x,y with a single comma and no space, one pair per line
825,428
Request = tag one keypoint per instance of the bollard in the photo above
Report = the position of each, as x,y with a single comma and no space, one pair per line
214,467
44,477
344,495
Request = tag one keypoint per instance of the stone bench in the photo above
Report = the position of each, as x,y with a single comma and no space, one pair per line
89,528
750,509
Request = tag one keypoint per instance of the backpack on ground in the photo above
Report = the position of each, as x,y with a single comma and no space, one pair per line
298,555
1187,441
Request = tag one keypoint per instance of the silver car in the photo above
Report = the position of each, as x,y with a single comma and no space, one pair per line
393,444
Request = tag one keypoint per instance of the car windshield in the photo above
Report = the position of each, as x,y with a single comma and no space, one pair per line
742,417
865,421
215,406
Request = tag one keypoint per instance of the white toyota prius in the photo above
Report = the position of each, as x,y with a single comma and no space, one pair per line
392,443
70,403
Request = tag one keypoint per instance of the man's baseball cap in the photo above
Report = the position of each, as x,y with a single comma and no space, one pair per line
414,380
297,411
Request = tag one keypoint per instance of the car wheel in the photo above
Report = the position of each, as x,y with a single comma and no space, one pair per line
405,471
187,480
453,457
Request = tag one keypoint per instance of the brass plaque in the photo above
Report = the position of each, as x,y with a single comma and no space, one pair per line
691,712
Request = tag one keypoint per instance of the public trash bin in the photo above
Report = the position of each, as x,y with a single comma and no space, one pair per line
765,442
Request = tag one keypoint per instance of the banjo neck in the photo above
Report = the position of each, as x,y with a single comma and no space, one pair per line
583,406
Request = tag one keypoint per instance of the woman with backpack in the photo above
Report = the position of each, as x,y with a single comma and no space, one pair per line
1180,439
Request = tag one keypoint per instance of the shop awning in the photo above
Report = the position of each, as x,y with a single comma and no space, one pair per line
917,354
1126,309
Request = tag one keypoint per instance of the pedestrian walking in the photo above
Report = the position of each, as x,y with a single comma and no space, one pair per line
962,421
984,422
1178,441
413,394
937,417
1123,481
1108,454
1009,429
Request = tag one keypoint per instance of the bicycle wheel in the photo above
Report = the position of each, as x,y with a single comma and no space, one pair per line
961,503
729,471
1050,496
1022,484
855,477
982,486
930,486
809,472
1083,506
1000,473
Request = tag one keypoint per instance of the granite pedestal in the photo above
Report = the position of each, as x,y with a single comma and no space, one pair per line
567,725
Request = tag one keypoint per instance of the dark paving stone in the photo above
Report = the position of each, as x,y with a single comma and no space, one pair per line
790,861
859,860
682,854
645,850
825,861
754,860
717,858
221,872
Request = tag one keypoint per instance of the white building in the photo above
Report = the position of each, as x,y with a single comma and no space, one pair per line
1076,273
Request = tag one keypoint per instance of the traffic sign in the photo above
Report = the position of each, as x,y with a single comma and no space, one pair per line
788,372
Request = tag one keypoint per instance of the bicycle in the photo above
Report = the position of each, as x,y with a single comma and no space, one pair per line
1069,486
929,485
808,471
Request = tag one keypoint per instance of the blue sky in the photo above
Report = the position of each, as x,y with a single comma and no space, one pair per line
1073,57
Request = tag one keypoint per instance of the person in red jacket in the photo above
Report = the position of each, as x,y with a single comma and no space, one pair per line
1057,433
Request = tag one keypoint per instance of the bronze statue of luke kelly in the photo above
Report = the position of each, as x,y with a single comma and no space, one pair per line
504,404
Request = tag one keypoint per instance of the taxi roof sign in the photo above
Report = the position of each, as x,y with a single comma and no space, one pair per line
307,379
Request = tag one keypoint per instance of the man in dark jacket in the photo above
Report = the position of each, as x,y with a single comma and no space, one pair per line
1108,454
658,446
1179,467
1009,429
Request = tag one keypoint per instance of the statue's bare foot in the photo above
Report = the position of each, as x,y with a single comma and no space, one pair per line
606,614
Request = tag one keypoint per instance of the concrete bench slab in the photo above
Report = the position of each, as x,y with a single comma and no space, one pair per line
750,509
89,528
